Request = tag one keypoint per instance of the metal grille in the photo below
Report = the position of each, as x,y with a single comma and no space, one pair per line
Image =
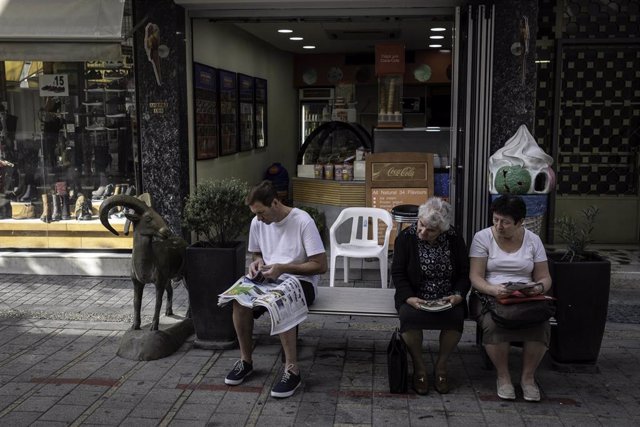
599,123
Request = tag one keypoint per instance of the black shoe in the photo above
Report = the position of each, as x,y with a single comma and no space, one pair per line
287,384
240,371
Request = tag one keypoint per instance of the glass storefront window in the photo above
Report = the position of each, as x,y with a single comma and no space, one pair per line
66,143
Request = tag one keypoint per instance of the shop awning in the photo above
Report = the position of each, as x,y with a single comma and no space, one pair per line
61,30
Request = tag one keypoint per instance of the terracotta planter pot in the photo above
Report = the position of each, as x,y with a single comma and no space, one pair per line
582,290
208,272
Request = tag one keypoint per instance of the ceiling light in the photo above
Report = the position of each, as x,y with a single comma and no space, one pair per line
295,38
284,30
445,50
436,37
435,45
308,47
438,29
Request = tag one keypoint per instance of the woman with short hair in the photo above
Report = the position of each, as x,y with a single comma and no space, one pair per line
430,263
508,252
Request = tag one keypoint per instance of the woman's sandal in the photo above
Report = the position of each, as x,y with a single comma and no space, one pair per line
441,384
420,384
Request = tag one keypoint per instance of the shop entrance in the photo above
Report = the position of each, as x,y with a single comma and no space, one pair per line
335,49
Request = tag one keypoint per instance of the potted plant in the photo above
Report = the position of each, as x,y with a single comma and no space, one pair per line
217,214
581,281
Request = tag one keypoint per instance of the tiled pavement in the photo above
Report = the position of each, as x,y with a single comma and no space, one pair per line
58,366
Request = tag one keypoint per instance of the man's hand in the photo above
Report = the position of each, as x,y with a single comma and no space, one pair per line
255,267
272,271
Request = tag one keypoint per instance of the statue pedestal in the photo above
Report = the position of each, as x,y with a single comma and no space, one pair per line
144,344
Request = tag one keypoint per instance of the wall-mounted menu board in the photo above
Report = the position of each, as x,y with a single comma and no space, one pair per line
260,86
394,179
206,111
228,90
246,117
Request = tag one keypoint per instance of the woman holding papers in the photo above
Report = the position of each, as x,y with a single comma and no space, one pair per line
507,252
430,272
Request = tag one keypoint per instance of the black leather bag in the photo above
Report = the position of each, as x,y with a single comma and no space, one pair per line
521,313
397,364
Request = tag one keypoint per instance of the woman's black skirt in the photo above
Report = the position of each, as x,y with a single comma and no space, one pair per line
413,318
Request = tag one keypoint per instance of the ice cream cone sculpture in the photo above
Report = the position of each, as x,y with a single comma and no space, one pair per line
151,44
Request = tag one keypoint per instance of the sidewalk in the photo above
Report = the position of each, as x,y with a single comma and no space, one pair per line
58,366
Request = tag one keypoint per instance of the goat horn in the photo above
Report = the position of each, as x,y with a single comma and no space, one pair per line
120,200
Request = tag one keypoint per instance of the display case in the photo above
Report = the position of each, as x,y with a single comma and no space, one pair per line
390,101
315,109
334,143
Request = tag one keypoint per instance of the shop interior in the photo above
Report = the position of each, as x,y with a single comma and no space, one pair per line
330,76
67,132
328,107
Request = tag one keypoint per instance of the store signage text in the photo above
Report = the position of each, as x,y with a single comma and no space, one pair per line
158,107
398,171
53,85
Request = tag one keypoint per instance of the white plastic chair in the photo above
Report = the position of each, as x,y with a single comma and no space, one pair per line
362,243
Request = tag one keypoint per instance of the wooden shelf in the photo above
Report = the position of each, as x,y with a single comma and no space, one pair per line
70,234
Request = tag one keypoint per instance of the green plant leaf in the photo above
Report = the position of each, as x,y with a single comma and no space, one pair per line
216,211
577,234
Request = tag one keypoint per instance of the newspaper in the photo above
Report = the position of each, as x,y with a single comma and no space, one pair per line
283,299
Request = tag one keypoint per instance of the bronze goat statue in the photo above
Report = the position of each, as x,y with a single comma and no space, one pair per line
157,257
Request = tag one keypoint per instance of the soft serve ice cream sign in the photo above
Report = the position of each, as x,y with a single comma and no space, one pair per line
521,167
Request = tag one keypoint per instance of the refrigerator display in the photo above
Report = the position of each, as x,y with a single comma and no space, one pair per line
315,109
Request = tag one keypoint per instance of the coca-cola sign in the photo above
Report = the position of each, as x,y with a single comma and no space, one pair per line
398,171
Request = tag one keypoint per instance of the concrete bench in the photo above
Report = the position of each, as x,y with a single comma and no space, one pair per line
375,302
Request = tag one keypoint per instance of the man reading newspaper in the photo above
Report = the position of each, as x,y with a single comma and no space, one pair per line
286,246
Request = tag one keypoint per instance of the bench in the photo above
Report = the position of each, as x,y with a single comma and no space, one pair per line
376,302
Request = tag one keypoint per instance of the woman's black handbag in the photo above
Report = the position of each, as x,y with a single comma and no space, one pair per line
397,364
518,312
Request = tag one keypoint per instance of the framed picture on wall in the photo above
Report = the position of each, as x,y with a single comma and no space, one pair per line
205,98
228,96
246,117
260,86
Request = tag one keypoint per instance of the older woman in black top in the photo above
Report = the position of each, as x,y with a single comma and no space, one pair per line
430,262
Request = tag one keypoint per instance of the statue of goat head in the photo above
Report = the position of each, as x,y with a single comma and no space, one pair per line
158,254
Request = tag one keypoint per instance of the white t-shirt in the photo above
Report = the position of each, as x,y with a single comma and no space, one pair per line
292,240
503,266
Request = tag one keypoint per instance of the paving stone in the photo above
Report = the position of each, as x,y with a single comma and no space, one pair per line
19,419
37,403
353,413
63,413
225,419
108,414
275,421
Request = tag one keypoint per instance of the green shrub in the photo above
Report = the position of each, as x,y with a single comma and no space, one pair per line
216,211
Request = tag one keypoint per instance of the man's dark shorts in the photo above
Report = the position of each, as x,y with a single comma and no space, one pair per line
309,296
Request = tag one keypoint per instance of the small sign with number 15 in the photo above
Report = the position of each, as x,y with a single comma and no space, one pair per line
54,85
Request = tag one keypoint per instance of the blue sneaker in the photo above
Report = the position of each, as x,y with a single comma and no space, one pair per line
239,372
287,384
